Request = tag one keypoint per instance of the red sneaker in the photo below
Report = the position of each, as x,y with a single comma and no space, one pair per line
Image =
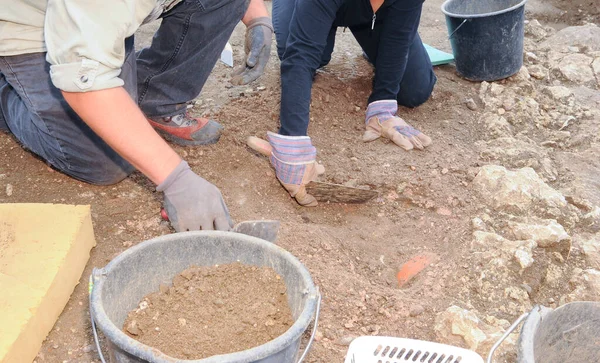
186,130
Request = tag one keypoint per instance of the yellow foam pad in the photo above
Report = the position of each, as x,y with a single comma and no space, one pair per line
43,251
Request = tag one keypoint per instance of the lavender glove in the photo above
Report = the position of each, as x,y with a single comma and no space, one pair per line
381,120
293,158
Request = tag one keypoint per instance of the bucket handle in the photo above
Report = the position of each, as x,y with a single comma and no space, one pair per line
506,334
97,341
458,27
314,330
94,330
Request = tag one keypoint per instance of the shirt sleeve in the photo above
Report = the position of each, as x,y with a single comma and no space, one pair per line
85,41
396,40
307,39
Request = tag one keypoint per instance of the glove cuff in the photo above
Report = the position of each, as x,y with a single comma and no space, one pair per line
263,20
180,169
383,109
292,149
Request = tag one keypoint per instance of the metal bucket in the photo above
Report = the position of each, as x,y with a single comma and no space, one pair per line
117,289
568,334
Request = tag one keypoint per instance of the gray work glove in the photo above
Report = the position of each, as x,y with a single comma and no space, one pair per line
193,203
259,34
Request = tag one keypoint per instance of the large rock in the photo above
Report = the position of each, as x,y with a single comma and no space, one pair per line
459,326
584,170
586,284
535,30
489,243
591,220
590,246
497,126
577,69
519,192
583,36
558,93
518,153
596,69
546,233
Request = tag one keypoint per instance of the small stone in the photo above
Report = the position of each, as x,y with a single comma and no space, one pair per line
400,188
132,328
524,256
531,57
9,189
188,274
88,348
163,288
219,302
501,111
143,305
496,89
55,346
444,171
471,105
182,322
356,108
349,325
318,336
157,329
345,341
537,72
444,211
478,224
416,310
127,244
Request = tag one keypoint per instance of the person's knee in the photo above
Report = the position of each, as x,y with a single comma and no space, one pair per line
416,96
109,177
108,174
104,174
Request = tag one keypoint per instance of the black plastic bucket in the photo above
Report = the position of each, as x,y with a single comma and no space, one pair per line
568,334
486,37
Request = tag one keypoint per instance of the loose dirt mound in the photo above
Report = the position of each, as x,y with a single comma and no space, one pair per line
212,310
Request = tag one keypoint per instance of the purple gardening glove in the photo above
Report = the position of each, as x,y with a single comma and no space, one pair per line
294,160
193,203
381,120
259,35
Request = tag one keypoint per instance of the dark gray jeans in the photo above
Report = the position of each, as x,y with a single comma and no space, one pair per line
162,78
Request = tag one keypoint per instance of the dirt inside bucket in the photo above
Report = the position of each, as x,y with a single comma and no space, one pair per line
212,310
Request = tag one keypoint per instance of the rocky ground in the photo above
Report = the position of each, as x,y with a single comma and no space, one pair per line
506,202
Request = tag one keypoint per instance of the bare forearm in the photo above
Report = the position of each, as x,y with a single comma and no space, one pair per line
115,117
256,9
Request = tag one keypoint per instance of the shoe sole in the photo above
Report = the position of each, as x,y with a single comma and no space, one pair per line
183,142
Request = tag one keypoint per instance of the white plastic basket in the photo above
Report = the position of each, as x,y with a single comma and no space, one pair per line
374,349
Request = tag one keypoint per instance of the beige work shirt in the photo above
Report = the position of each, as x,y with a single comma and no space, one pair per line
84,39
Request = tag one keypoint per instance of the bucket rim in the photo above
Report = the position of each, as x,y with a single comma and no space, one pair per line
115,335
474,16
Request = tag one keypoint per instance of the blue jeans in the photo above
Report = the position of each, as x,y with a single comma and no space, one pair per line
416,83
163,78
